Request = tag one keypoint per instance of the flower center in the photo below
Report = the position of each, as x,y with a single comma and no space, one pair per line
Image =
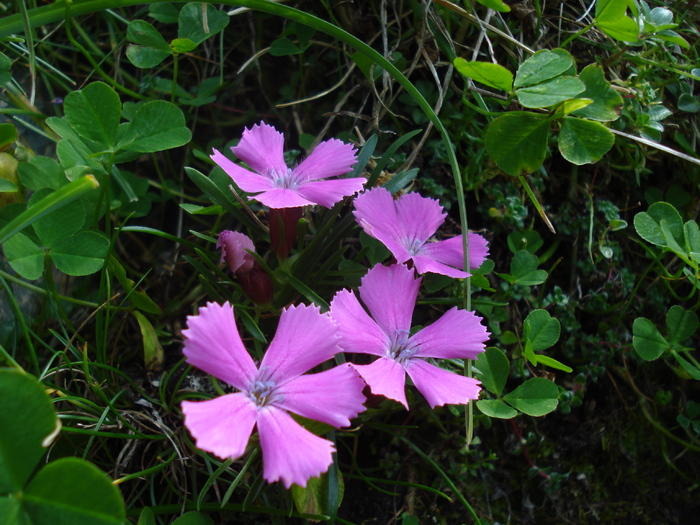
413,246
401,349
284,179
262,393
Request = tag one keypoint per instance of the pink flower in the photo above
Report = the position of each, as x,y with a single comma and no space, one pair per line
404,227
233,251
277,186
305,338
390,293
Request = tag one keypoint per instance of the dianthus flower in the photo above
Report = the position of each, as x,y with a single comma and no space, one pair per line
404,227
254,280
267,394
390,293
276,185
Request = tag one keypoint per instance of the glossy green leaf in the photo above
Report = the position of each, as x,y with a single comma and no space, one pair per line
535,397
94,113
688,103
648,224
541,329
543,65
199,21
584,141
550,93
493,367
69,491
25,257
611,19
553,363
7,186
149,48
156,126
496,408
672,38
28,421
81,254
681,324
569,106
606,101
164,12
647,340
486,73
517,141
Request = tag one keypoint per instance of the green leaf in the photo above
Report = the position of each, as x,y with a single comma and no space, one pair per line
164,12
149,49
541,329
156,126
550,93
147,517
569,106
610,18
138,297
688,103
681,324
606,101
496,408
193,518
691,233
493,369
25,257
6,186
528,240
8,134
314,498
71,491
692,370
535,397
543,65
496,5
486,73
182,45
672,37
199,21
152,350
28,421
553,363
94,113
523,270
646,339
41,172
584,141
648,224
81,254
58,225
517,141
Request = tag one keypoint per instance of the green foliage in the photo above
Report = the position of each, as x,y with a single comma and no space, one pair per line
67,490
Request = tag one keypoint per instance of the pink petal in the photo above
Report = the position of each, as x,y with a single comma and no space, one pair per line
375,212
385,377
221,425
425,264
233,250
333,397
390,294
420,218
291,453
328,192
214,345
305,338
246,180
440,387
262,148
281,198
349,315
458,334
450,251
329,159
